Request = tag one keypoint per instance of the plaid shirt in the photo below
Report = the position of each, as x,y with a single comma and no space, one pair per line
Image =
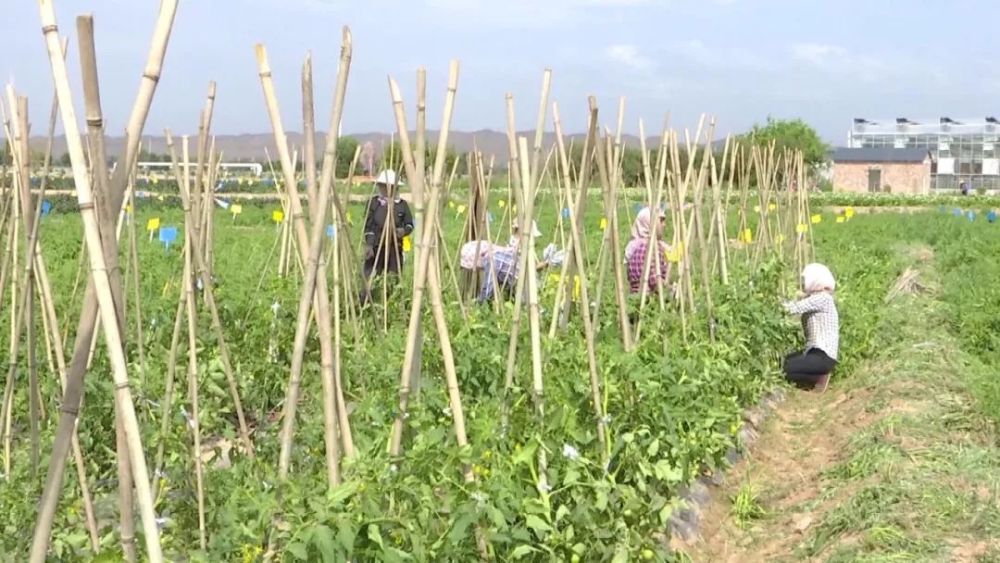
504,267
636,263
820,322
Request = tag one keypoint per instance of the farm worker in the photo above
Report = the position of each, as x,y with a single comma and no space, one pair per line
387,221
821,324
500,269
635,252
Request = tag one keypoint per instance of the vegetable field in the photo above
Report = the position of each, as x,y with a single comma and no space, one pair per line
194,378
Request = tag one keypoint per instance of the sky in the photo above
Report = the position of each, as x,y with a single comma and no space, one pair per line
740,61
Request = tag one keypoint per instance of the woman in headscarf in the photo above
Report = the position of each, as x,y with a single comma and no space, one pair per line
635,252
821,324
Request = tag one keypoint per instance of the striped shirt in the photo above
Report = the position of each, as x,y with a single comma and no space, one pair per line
820,322
503,267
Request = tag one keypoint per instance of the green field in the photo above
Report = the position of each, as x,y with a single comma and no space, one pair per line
674,405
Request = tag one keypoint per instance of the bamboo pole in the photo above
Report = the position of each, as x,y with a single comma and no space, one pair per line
168,396
107,307
653,256
190,240
588,327
523,220
309,293
209,295
527,247
89,311
427,238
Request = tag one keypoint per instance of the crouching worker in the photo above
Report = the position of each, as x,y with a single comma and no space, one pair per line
636,250
812,366
501,265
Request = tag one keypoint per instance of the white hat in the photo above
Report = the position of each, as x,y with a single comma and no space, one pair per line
388,177
534,229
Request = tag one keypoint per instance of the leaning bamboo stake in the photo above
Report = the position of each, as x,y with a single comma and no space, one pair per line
527,246
321,297
523,220
194,419
423,265
107,308
306,299
654,256
90,310
209,295
588,327
166,403
106,213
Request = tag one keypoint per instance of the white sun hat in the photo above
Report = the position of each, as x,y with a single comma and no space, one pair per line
534,229
388,177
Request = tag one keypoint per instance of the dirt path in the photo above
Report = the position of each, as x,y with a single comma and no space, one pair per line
891,463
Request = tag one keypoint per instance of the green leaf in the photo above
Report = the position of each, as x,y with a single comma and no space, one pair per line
562,512
526,455
346,535
342,492
522,551
375,535
297,550
665,471
460,530
322,538
654,448
537,524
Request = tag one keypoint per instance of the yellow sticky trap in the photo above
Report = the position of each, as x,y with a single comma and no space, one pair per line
236,209
673,255
772,207
801,228
461,209
278,216
451,204
501,203
153,224
816,219
604,223
576,287
128,209
746,236
841,219
407,244
849,212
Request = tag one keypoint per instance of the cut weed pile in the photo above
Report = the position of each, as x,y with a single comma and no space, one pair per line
895,463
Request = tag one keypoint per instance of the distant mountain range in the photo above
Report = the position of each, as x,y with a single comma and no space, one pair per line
256,146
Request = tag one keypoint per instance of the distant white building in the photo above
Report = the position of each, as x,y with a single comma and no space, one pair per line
961,150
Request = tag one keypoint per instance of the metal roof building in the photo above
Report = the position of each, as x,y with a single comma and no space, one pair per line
962,150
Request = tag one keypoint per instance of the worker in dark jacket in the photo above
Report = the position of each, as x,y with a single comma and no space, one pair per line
387,221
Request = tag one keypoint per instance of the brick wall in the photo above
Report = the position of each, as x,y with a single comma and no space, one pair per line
901,177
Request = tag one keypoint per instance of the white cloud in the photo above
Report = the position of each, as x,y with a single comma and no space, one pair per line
629,56
616,2
818,54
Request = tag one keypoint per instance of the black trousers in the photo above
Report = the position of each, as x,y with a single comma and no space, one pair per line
806,367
